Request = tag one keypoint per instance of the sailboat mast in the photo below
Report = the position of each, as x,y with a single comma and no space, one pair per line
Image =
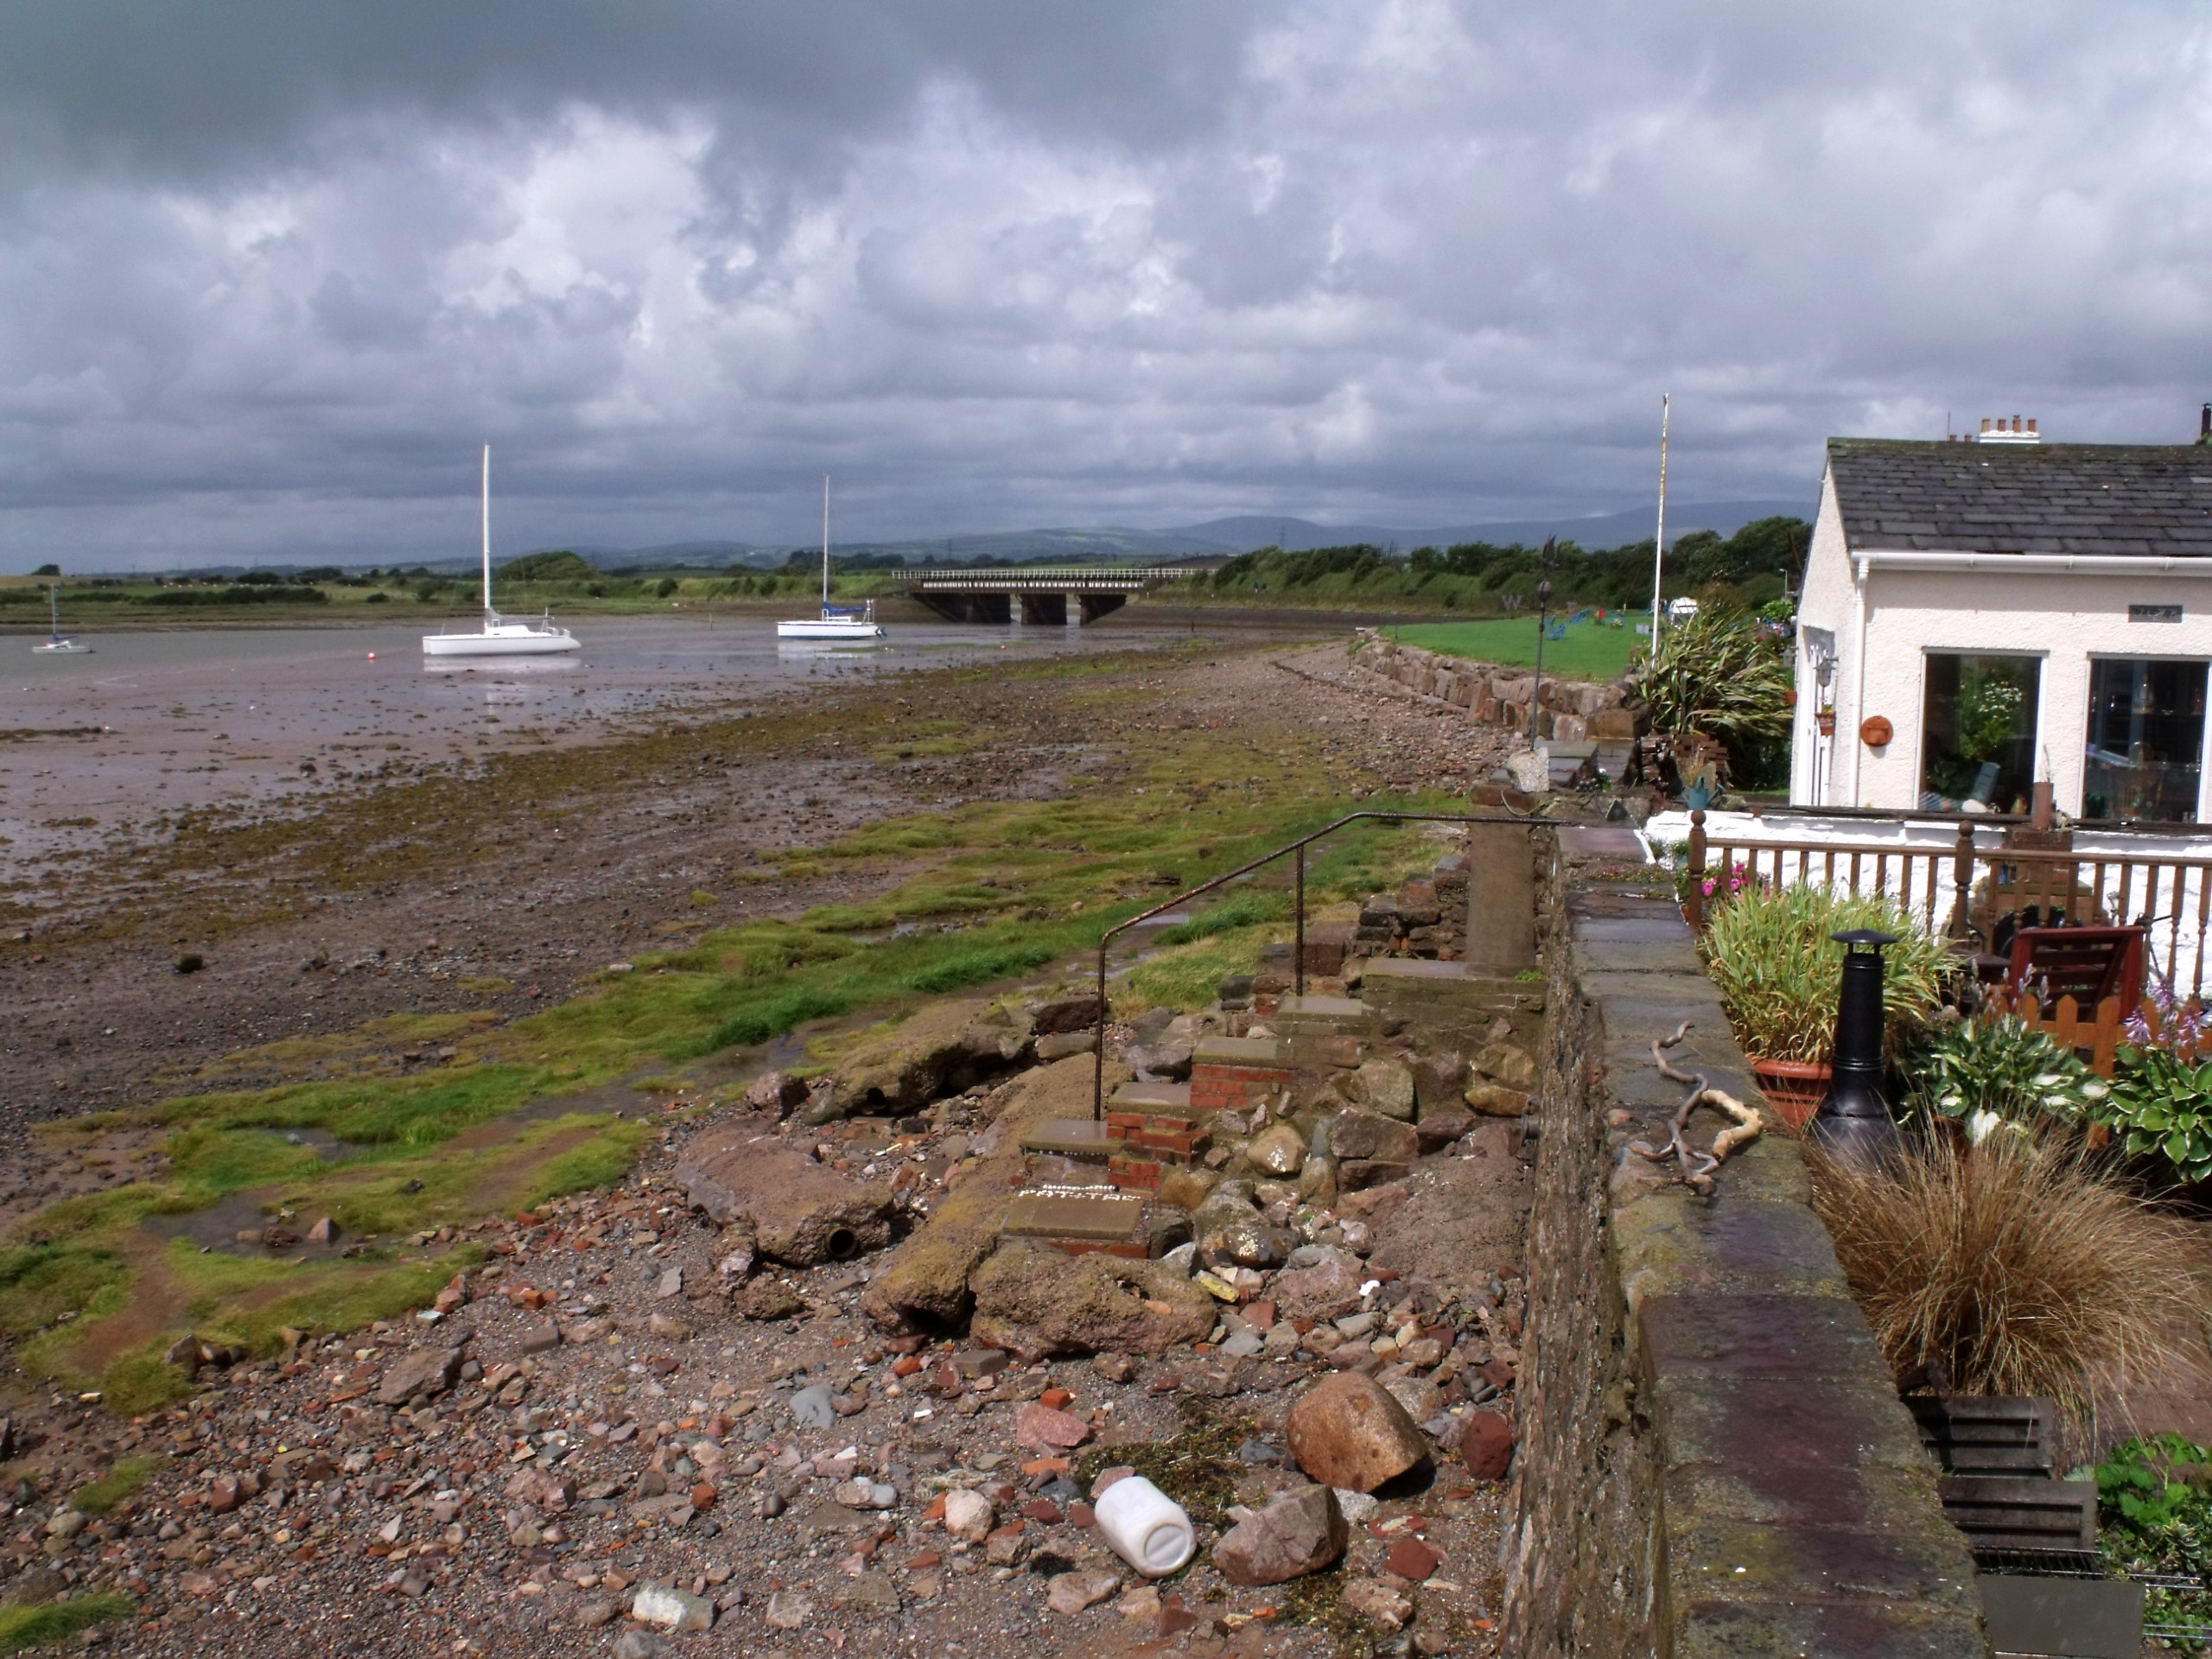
487,529
825,541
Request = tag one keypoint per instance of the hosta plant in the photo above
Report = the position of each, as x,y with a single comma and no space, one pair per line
2161,1107
1768,951
1998,1071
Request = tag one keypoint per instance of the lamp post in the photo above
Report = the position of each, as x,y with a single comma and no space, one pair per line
1854,1123
1536,696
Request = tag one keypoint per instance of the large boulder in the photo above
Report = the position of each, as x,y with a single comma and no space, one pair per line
1385,1086
801,1213
1349,1432
1368,1136
925,1281
940,1049
1034,1300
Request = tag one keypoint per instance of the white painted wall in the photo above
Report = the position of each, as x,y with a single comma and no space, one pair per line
1826,602
2065,618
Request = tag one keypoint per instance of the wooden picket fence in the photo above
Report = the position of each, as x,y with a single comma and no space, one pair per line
2101,1034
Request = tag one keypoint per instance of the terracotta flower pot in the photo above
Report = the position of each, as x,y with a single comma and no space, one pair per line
1795,1088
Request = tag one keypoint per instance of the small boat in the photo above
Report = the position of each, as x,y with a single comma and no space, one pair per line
837,622
56,643
499,636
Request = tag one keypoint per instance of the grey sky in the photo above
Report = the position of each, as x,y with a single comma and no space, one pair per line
270,272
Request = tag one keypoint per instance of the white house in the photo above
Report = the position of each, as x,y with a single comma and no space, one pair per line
1980,615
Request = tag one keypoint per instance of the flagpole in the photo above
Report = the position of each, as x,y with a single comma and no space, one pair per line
1659,549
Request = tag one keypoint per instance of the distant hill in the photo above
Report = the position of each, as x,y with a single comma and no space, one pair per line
1237,534
1240,533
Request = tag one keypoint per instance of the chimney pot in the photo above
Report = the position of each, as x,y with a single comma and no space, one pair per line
2031,422
1985,420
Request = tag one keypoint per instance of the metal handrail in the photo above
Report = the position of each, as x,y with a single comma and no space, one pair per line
1297,849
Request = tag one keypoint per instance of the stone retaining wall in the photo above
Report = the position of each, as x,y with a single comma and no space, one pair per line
1714,1461
1573,710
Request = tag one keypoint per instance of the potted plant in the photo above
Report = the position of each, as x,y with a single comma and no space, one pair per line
1768,951
1701,782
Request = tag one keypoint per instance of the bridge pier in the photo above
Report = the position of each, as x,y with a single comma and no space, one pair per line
1097,605
1044,610
969,608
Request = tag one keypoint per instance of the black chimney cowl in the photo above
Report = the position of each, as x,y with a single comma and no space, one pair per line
1854,1123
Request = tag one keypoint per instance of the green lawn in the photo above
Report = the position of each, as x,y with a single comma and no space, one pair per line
1590,651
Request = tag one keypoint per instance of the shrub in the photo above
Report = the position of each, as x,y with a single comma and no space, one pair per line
1718,673
2154,1515
1768,951
1982,1070
2010,1269
2160,1107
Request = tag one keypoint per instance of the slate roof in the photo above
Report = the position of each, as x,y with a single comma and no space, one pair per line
2047,498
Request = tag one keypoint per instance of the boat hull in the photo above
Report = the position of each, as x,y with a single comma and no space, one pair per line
829,628
519,642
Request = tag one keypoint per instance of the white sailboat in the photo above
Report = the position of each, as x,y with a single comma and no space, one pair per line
837,622
499,636
58,644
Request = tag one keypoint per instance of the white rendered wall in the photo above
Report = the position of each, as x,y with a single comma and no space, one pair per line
2064,618
1826,602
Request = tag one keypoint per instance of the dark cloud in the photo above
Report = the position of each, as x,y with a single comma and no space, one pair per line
268,272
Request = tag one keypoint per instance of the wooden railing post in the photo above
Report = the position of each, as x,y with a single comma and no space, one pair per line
1693,903
1962,879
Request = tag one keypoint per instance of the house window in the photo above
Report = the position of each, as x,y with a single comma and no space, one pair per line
2146,740
1978,741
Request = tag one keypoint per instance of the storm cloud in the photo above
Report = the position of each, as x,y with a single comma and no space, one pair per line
269,273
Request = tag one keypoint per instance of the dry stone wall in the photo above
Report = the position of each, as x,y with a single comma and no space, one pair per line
1573,710
1713,1459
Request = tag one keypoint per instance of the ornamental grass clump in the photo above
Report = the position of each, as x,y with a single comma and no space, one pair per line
2012,1269
1768,951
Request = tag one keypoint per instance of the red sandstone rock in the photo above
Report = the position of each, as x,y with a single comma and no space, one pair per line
1300,1532
1486,1445
1349,1432
1046,1429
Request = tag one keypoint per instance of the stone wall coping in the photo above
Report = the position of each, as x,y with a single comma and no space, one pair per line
1789,1506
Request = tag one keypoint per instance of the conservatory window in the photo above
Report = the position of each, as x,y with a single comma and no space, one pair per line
1978,747
2146,740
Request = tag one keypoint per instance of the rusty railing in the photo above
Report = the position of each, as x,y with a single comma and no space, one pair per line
1294,850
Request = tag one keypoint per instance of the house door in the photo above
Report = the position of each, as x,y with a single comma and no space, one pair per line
2146,748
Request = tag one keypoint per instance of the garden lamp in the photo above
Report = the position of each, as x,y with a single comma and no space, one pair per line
1536,696
1854,1123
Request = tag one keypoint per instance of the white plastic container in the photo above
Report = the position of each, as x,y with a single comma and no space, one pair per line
1147,1528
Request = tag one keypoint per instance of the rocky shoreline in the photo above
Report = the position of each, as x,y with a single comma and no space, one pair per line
764,1408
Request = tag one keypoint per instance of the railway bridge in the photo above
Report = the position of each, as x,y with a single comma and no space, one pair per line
1047,595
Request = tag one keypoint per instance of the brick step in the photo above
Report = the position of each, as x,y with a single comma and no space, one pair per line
1234,1074
1069,1137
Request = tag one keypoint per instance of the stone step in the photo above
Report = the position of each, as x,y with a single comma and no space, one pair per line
1085,1219
1069,1137
1388,981
1154,1099
1322,1016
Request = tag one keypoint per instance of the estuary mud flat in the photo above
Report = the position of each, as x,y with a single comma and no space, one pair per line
499,888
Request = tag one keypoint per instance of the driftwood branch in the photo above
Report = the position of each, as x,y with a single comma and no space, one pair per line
1697,1168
